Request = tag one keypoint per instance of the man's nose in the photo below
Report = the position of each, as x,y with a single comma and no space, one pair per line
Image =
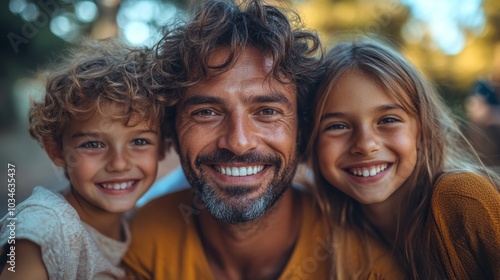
239,134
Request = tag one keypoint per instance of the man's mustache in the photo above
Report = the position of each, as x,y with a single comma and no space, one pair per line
226,156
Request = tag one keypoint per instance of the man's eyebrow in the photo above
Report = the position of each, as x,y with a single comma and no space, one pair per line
198,100
272,97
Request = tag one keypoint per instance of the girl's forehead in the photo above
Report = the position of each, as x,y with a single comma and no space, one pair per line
394,86
355,89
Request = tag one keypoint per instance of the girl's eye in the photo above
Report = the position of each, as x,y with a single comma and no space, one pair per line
140,142
336,126
91,145
389,120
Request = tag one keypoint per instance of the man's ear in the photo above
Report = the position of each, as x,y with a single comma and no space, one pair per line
54,152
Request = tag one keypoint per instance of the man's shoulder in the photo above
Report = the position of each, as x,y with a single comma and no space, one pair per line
168,200
168,211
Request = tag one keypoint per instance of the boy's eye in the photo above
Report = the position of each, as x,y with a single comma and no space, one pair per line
91,145
140,142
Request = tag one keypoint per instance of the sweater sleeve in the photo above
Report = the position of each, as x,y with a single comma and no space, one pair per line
466,226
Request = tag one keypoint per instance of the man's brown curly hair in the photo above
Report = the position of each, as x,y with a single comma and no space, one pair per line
182,56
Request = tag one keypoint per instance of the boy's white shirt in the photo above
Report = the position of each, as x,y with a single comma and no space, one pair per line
70,248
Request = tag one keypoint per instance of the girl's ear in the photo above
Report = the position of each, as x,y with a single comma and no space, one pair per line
54,152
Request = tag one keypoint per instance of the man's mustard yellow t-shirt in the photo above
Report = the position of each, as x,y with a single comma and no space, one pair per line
166,244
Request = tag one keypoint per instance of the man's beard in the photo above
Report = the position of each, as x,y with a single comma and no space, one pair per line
244,209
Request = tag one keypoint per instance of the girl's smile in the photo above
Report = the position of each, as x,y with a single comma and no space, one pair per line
367,143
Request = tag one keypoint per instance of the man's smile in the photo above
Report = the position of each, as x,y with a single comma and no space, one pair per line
239,171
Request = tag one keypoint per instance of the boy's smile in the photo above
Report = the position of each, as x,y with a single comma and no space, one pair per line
110,164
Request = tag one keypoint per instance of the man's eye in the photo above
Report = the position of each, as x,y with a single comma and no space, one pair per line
268,111
206,112
91,145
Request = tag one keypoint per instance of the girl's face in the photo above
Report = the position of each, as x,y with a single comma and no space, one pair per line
367,143
110,165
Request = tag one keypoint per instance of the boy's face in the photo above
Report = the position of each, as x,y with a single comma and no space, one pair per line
110,165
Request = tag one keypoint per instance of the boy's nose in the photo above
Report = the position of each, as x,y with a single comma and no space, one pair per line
118,161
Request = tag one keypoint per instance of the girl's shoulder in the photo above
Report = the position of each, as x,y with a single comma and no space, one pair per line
464,195
465,225
464,184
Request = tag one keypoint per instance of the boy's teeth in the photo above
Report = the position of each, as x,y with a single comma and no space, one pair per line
117,186
239,171
368,172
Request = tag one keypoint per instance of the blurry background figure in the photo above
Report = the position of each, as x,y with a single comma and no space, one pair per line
483,110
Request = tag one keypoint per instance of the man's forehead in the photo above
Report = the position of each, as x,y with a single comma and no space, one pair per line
247,61
246,57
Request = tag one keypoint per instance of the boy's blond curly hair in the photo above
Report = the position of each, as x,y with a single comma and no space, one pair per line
97,73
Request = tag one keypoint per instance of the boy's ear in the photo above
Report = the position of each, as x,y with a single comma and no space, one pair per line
54,152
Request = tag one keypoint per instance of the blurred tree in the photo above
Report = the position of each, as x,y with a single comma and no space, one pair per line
36,31
25,46
412,25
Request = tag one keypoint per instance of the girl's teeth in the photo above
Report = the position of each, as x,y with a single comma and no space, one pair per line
368,172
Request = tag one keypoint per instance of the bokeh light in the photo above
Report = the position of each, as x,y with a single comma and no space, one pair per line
65,26
144,27
86,11
447,22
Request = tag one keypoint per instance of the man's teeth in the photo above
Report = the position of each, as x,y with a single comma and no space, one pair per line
117,186
368,172
240,171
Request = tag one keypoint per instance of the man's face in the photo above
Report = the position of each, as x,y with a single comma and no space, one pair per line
237,137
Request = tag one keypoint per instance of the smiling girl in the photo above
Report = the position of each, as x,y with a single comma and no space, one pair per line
100,123
391,163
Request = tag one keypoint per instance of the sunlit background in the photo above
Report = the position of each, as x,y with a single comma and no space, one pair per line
455,42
